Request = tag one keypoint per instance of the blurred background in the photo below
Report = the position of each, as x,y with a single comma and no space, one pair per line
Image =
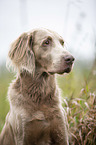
75,20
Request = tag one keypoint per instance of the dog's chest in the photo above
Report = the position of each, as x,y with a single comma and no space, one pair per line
38,129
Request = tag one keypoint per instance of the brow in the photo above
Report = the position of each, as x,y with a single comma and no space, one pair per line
48,38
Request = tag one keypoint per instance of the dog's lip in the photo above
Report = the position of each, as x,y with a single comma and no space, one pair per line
63,70
66,70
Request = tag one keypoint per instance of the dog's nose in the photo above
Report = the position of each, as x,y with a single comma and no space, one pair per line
69,59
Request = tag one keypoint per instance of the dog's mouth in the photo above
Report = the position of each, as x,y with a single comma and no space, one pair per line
66,70
62,70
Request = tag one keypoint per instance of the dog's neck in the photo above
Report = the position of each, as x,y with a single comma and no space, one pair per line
41,84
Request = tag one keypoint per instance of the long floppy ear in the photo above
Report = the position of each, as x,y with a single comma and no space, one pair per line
21,54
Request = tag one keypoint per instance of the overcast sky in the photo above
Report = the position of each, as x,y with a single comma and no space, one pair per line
75,20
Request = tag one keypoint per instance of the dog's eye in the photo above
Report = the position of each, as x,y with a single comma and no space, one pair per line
46,42
62,42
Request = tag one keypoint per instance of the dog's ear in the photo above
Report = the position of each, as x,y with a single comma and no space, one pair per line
21,53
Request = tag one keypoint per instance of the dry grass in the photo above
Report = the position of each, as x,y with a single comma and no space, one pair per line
81,115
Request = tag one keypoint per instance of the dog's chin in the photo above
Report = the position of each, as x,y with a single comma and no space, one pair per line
61,71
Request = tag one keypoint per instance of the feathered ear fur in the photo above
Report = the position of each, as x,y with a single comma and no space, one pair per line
21,54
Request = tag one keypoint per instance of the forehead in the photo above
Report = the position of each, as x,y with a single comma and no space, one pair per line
44,33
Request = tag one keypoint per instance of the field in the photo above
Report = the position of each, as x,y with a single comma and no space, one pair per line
78,91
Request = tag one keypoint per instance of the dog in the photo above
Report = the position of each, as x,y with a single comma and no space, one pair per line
36,116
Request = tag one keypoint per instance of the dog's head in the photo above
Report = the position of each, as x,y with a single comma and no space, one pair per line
41,50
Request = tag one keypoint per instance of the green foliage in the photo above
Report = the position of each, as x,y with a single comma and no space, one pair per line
5,79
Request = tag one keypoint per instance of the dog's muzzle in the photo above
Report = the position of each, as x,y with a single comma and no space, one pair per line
64,66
